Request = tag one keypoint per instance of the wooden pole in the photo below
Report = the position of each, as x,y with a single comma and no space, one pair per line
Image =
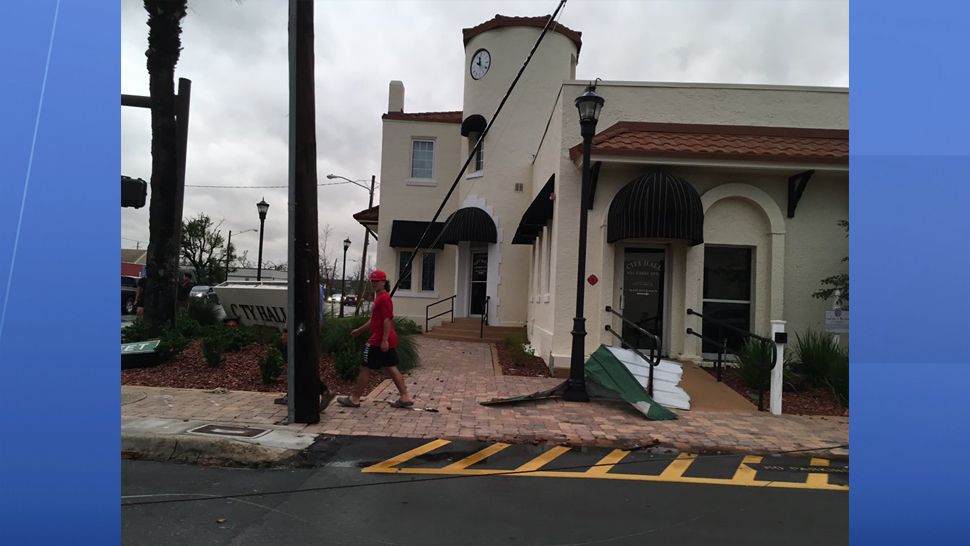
363,257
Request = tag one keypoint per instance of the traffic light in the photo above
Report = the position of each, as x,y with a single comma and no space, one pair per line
133,192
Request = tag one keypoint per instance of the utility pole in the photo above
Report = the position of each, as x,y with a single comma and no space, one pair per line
363,257
304,387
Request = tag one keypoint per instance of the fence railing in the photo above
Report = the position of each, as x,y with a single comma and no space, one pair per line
481,330
427,311
765,341
655,352
722,349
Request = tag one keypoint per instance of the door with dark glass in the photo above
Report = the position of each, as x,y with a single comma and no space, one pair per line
727,295
479,282
643,295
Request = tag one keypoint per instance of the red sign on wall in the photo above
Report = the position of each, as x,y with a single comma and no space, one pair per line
592,280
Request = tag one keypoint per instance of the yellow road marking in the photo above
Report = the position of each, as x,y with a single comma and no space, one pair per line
675,470
476,457
744,473
405,457
606,463
818,478
744,476
543,459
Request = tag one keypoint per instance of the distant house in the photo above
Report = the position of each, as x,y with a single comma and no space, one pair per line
696,201
133,261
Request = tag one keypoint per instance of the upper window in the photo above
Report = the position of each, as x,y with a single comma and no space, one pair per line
427,271
479,163
422,159
405,282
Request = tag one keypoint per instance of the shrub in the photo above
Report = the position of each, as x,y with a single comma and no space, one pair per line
754,363
271,366
406,327
187,326
171,343
817,353
347,363
139,330
335,335
238,337
407,353
203,312
516,346
838,378
213,347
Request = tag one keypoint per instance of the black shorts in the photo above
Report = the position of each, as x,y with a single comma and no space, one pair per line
375,358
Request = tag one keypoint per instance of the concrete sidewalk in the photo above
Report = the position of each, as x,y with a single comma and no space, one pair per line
452,381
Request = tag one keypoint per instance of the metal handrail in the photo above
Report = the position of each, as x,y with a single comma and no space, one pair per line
655,353
771,344
427,309
722,346
481,330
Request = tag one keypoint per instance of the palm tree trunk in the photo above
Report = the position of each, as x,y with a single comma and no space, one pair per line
164,45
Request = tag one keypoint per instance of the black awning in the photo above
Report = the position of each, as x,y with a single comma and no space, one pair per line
473,124
469,224
657,205
407,234
536,215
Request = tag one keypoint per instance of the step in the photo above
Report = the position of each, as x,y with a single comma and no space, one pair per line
463,337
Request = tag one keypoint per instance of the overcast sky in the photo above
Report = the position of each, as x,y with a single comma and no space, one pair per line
235,53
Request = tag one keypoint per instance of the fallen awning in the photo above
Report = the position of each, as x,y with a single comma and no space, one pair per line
536,215
470,224
656,206
407,234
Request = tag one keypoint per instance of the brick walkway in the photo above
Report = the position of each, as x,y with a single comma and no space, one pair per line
455,376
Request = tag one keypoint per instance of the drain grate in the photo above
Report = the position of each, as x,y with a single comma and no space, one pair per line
229,430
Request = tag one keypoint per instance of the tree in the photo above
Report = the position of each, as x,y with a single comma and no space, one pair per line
201,239
164,47
839,282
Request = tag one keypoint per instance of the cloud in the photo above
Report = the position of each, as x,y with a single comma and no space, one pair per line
236,54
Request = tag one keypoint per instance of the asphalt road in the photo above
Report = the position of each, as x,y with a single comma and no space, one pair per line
327,499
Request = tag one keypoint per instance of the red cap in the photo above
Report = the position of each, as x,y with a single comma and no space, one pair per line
378,275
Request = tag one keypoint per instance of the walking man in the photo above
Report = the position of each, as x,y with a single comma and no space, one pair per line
379,352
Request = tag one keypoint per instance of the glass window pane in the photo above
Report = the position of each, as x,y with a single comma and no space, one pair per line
422,159
405,283
727,273
734,314
427,271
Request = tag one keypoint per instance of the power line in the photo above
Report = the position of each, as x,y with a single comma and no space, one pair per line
264,187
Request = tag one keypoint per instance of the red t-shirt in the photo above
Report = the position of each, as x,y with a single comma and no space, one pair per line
383,309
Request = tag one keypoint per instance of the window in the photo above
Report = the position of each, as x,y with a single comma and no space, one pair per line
727,294
405,283
427,271
422,159
479,163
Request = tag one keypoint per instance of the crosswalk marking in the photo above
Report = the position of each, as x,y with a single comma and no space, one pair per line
610,467
606,463
818,478
476,457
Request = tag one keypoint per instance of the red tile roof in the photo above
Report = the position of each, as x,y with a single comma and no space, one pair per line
733,142
368,216
437,117
500,21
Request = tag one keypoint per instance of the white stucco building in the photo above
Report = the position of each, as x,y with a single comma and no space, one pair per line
724,199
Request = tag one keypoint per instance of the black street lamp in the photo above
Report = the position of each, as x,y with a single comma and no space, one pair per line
589,105
343,277
262,207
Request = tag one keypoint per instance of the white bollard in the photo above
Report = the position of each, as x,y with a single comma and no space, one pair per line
778,372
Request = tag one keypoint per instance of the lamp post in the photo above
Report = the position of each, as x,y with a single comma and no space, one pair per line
589,105
262,207
363,257
343,277
229,249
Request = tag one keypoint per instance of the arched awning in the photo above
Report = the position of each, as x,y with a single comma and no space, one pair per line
474,123
536,216
469,224
657,206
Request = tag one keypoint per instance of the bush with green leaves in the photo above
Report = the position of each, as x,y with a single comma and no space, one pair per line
213,348
838,378
237,337
405,326
335,339
202,312
347,363
754,363
816,353
271,367
139,330
171,343
516,346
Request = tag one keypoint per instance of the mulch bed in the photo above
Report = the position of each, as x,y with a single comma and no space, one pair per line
533,367
813,401
239,372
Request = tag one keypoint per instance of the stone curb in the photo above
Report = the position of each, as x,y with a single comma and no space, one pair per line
184,448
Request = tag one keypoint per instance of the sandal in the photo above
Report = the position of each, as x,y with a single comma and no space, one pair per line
401,404
346,402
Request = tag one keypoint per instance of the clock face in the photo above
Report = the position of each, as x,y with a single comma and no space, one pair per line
481,60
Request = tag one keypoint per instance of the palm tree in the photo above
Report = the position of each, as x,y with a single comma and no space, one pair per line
164,47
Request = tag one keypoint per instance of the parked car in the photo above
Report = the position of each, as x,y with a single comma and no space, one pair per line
129,289
205,293
335,298
350,299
